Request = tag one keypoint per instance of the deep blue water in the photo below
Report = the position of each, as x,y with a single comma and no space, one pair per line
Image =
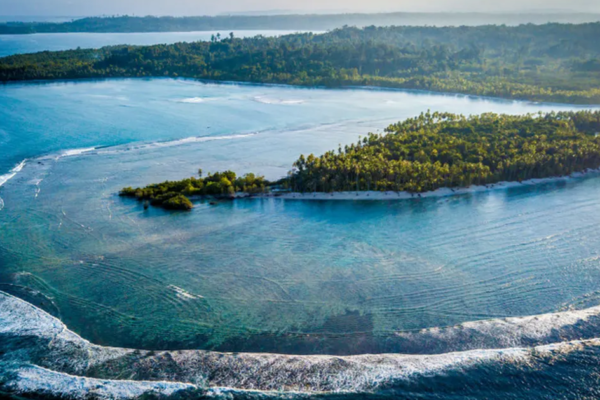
265,275
19,44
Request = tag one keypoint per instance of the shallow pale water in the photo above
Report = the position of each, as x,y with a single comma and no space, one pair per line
19,44
265,275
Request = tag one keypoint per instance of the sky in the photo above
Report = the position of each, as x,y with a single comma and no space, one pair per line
212,7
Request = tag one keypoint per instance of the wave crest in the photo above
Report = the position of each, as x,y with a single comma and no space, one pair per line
6,177
56,359
193,100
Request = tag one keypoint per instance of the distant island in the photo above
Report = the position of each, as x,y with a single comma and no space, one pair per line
554,62
432,151
319,22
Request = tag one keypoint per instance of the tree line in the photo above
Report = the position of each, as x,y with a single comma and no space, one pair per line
438,150
553,62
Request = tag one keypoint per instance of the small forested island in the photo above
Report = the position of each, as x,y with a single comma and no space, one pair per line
432,151
175,195
552,62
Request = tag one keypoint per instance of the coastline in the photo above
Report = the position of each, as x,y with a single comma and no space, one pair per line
441,192
341,87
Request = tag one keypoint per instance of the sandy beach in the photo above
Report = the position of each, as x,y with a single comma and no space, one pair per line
442,192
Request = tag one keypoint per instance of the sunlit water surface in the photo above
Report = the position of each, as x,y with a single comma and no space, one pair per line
265,275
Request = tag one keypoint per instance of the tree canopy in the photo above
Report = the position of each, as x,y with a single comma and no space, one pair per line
174,195
553,62
431,151
438,150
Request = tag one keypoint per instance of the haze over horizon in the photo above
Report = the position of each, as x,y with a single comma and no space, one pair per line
205,7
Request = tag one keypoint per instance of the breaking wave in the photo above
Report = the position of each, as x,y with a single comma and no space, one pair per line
55,361
197,100
6,177
116,149
76,152
171,143
267,100
193,100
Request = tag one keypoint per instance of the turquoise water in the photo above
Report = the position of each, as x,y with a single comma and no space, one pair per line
265,275
19,44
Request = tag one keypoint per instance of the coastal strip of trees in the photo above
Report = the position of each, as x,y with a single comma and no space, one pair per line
322,22
431,151
553,62
437,150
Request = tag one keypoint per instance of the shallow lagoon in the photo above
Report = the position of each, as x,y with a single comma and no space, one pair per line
265,275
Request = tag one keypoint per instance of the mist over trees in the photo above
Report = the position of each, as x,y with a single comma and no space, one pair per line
319,22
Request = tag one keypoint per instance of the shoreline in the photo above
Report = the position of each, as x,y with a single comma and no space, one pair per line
441,192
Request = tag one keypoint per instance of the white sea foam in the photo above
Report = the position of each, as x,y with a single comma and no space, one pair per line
184,294
76,152
42,381
267,100
171,143
109,150
193,100
68,355
6,177
199,139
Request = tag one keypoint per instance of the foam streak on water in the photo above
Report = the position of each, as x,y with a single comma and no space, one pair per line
6,177
76,152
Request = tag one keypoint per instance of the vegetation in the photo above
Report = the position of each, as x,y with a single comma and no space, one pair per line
285,22
447,150
553,62
431,151
174,195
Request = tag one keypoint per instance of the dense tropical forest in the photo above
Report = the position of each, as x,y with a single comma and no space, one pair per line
287,22
438,150
174,195
420,154
553,62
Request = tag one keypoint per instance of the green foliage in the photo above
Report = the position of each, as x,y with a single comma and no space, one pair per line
420,154
179,202
174,194
447,150
551,62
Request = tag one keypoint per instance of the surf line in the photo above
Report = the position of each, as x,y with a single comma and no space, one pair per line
6,177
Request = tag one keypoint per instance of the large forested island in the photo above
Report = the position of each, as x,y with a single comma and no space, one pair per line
421,154
552,62
287,22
